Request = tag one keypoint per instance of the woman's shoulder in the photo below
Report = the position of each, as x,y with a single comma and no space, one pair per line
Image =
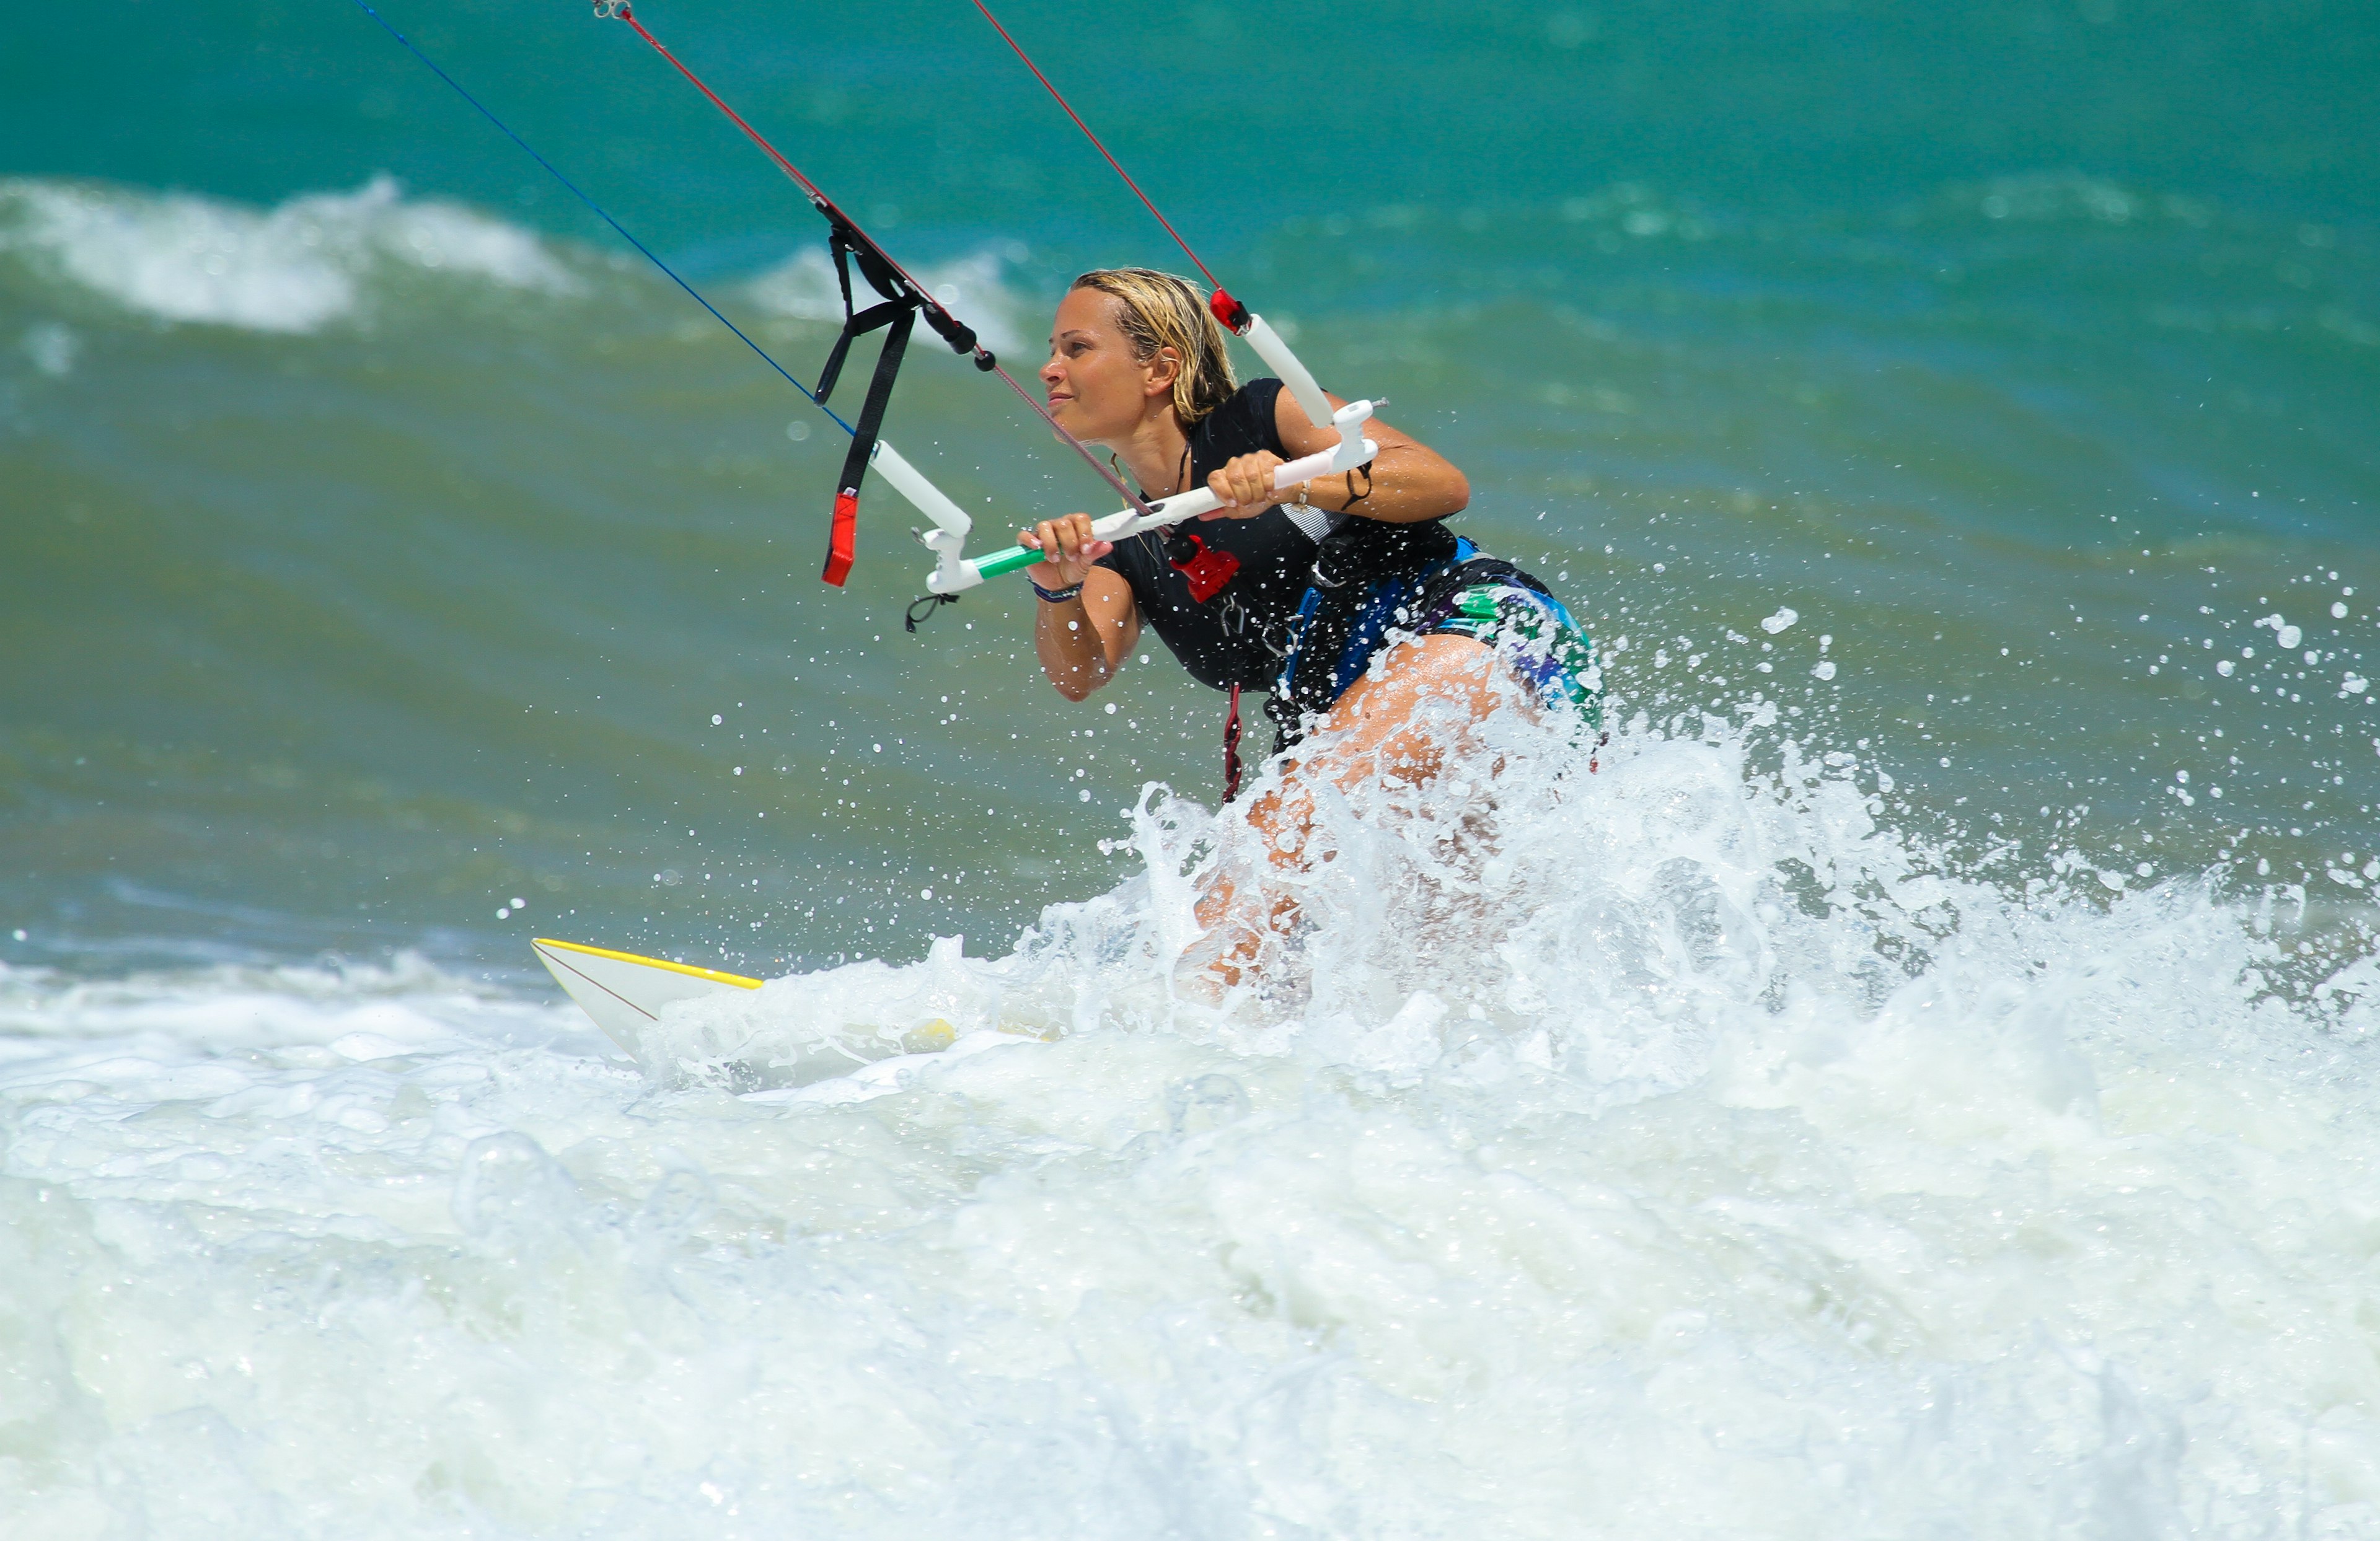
1260,391
1241,425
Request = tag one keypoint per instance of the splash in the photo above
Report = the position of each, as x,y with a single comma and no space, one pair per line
1678,1147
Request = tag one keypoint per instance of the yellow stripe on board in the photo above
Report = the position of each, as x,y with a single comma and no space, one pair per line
736,979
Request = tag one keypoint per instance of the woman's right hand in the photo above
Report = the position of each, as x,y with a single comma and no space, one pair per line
1073,551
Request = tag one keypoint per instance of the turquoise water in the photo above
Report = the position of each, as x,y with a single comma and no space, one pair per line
380,542
352,596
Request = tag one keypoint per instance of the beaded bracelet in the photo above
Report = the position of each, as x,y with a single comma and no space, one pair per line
1056,596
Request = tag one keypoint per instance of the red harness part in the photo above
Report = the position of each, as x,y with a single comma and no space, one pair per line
1206,571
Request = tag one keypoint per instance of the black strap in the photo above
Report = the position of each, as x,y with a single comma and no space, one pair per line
850,244
879,390
897,315
857,326
847,243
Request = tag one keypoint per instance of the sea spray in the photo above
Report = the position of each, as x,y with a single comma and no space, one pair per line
1746,1170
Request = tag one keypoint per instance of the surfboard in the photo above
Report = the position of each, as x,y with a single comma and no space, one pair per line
624,992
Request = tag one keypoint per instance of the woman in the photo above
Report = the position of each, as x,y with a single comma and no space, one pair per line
1344,597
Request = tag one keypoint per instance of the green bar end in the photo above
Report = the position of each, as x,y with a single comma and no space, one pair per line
1012,559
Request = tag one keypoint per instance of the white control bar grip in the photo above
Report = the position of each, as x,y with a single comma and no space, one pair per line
911,483
1189,505
1128,522
1274,349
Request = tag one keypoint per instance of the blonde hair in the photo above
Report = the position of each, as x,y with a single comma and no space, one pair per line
1156,309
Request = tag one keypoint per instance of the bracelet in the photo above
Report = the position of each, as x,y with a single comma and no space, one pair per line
1056,596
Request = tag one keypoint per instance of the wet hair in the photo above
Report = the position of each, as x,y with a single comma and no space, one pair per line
1156,309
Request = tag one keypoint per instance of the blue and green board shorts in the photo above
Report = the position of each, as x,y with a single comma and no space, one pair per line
1530,629
1534,636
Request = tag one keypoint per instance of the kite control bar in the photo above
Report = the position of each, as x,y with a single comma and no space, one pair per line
954,575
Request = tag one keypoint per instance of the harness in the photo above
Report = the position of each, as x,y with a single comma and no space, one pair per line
1368,579
1367,575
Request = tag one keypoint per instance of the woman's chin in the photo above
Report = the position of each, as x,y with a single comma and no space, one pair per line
1067,415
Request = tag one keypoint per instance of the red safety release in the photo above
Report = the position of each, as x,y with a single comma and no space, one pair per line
842,545
1208,571
1230,311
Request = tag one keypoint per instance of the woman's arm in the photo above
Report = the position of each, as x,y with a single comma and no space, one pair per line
1407,482
1083,641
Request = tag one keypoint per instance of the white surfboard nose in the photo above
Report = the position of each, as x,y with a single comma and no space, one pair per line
624,992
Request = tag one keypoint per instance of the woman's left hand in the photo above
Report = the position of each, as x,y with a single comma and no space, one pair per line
1245,485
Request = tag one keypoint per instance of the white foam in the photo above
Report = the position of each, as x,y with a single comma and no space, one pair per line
296,267
1681,1151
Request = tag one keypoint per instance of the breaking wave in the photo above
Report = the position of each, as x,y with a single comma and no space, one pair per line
294,268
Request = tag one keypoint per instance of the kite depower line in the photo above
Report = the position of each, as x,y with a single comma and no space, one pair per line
902,300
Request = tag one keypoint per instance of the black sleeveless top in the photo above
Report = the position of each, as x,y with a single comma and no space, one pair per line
1238,637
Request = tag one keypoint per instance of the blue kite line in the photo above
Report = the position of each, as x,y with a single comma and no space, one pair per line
599,212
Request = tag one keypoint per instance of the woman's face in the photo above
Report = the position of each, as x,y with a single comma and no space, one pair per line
1099,391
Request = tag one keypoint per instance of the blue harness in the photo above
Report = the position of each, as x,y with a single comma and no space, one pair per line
1389,602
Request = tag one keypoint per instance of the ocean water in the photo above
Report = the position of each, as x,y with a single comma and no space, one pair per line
1919,1083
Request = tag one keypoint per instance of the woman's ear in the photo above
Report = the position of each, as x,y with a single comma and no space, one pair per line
1164,369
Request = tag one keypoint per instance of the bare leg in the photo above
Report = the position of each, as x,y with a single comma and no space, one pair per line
1379,732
